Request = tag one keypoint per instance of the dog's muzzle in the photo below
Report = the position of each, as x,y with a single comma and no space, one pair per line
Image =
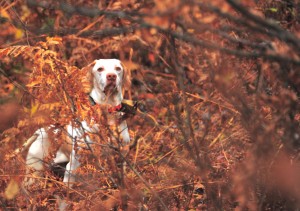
110,87
111,83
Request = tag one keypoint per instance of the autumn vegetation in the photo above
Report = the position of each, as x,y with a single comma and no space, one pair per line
218,87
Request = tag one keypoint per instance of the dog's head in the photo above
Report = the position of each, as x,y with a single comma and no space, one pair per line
107,78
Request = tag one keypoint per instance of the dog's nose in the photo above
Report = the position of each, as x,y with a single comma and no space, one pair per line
111,77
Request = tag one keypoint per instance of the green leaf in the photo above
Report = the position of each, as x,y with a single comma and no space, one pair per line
273,9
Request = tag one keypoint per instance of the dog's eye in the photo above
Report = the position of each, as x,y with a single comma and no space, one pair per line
118,68
100,69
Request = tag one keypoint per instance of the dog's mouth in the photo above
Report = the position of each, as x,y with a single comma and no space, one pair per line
110,88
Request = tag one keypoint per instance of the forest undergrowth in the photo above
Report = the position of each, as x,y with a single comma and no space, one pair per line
217,85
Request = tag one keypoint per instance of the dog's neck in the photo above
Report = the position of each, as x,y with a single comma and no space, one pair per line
100,97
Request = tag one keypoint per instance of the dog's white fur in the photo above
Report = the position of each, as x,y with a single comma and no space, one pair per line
108,78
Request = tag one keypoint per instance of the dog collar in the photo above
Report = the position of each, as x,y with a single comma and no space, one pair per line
128,107
116,108
112,109
92,101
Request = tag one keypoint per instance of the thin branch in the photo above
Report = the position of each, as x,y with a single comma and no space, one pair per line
84,11
144,181
136,18
271,25
206,44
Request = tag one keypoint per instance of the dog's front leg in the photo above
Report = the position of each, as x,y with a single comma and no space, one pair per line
124,133
74,163
123,129
69,177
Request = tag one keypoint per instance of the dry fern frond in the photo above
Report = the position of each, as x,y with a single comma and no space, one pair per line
52,81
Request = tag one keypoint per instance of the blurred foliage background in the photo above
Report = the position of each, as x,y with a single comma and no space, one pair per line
218,82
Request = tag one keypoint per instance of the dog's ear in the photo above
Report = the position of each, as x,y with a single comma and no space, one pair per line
88,77
126,77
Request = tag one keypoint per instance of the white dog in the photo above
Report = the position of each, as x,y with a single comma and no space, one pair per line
107,77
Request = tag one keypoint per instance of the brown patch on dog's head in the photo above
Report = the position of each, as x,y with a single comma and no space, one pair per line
87,81
126,83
